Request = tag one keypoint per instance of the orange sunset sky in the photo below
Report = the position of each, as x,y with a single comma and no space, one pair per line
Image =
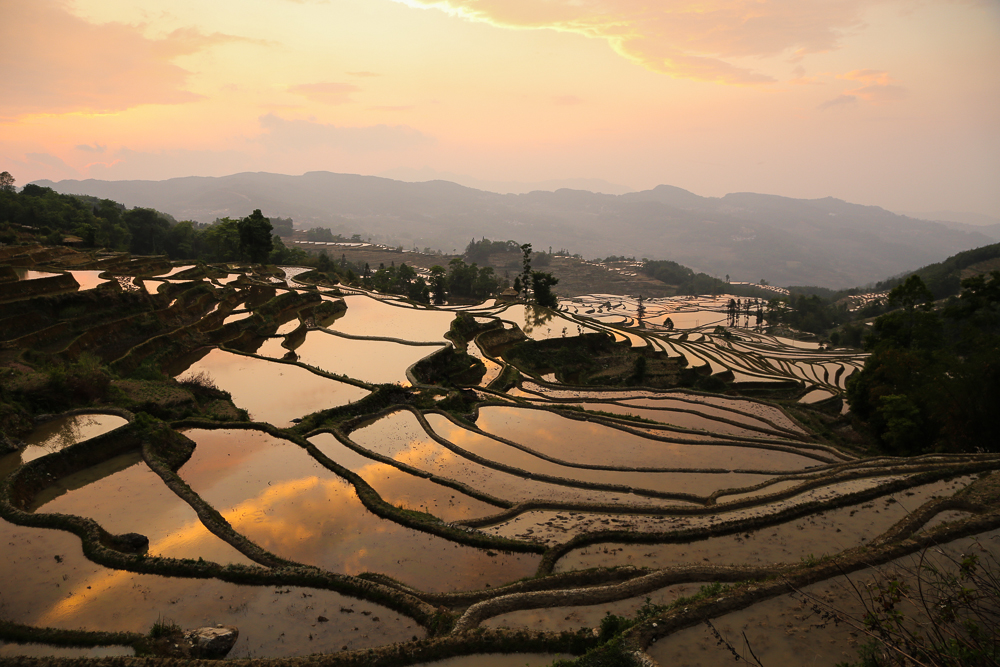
894,103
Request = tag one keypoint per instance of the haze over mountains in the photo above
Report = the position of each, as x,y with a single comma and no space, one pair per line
825,242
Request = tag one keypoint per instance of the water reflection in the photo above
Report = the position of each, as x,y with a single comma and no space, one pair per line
277,393
278,496
366,360
595,444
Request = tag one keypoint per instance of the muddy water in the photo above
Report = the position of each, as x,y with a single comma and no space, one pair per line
367,316
273,492
700,484
825,533
70,592
557,619
790,630
366,360
400,488
65,431
400,436
277,393
135,500
595,444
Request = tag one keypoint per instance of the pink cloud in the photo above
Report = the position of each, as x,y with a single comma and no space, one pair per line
878,87
66,64
698,40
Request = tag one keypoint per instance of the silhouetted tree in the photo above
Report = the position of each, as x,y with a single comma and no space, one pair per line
255,237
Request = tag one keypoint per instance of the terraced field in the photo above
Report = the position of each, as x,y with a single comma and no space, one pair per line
359,476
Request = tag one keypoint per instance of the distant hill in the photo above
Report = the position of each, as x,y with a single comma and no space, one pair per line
824,242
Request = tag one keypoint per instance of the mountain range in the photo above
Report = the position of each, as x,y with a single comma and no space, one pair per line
825,242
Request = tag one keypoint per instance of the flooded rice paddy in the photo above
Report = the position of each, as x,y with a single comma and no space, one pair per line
474,490
273,492
278,393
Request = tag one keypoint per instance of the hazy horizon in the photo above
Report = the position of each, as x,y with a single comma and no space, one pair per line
888,103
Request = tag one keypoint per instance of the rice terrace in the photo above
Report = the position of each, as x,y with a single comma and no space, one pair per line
348,476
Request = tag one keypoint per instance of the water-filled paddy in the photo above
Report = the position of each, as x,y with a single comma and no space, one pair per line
88,279
277,495
62,432
823,533
366,360
135,500
367,316
791,629
700,484
400,436
543,323
591,443
402,489
278,393
558,619
60,588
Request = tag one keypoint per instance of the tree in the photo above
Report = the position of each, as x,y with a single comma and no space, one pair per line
541,286
148,230
437,284
526,270
6,182
255,237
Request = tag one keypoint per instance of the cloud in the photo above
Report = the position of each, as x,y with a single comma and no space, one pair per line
839,101
299,134
66,64
878,87
325,93
87,148
696,39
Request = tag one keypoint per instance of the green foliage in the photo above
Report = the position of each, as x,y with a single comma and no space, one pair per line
478,252
163,627
541,287
944,278
933,378
256,237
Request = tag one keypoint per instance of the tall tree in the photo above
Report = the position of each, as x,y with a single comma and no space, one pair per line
526,270
255,237
6,182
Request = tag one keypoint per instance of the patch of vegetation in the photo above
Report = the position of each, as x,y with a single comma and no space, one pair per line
932,381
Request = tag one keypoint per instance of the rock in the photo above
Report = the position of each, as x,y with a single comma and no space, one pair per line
211,643
322,619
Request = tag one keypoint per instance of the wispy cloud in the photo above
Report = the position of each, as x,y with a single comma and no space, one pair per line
702,39
87,148
325,93
877,86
